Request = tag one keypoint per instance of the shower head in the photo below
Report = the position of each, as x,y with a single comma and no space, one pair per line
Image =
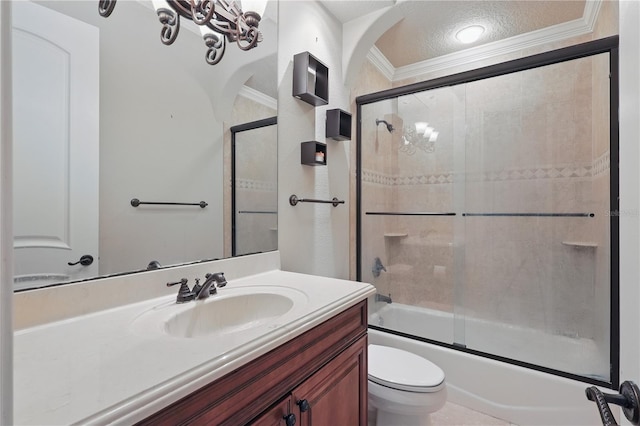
389,126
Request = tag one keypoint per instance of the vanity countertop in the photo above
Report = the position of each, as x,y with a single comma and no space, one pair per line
99,369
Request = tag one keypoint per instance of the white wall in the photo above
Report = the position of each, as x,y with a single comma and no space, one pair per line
313,238
629,191
6,224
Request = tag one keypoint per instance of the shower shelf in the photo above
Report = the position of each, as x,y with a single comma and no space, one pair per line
580,244
395,234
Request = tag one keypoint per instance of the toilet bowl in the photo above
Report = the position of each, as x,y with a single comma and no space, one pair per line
404,388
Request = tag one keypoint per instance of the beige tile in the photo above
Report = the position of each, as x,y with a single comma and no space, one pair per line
457,415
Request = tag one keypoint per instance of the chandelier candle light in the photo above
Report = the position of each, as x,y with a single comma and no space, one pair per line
219,21
420,136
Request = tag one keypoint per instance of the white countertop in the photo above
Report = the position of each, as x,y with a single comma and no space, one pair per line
100,369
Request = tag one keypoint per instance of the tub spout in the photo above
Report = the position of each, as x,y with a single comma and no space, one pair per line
383,298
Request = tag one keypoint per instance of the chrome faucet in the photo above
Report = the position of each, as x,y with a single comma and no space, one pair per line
211,285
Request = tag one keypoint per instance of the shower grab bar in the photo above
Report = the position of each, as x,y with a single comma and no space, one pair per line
294,200
531,214
257,212
410,213
135,203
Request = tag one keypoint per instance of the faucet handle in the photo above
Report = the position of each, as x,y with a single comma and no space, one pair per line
184,294
196,287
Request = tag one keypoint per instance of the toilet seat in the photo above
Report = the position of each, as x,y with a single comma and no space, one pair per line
402,370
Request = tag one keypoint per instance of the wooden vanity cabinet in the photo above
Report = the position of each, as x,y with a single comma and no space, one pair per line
318,378
333,394
276,415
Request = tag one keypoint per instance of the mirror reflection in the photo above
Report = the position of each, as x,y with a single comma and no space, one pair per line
254,181
105,113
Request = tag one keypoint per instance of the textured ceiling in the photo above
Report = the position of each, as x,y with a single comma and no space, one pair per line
429,27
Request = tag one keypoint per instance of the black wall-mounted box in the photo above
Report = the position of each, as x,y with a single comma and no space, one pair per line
313,153
310,79
338,125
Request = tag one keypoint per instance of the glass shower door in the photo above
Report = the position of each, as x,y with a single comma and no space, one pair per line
408,213
537,237
485,214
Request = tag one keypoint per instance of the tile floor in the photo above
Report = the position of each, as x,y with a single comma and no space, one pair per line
457,415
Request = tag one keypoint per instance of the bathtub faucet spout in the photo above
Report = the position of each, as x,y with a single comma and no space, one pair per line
383,298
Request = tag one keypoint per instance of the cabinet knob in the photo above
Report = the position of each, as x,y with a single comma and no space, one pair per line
304,405
290,419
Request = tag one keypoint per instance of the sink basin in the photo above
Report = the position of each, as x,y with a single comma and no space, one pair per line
228,314
229,311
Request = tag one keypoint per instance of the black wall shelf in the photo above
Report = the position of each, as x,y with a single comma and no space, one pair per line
313,153
310,79
338,125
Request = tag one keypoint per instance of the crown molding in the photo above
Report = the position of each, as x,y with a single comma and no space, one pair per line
259,97
591,12
555,33
381,62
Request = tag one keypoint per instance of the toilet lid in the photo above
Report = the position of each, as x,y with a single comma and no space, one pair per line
402,370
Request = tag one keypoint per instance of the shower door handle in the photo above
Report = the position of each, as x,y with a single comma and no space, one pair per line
85,260
628,399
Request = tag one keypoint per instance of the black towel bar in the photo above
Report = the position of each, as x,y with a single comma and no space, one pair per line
294,200
135,203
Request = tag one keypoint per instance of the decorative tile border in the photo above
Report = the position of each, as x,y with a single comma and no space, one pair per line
599,166
602,164
256,185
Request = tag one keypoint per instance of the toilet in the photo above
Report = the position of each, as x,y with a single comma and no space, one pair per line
404,388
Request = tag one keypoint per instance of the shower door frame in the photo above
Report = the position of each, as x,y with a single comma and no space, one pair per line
252,125
605,45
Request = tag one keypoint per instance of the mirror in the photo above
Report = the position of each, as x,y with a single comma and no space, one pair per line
254,183
105,114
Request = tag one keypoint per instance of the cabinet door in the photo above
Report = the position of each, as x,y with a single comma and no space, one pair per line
276,415
337,393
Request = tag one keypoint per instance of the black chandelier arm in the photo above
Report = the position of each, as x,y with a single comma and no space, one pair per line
223,28
202,11
182,7
215,48
223,17
170,21
105,7
226,20
252,36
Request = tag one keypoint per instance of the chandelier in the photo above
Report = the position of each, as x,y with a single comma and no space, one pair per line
419,136
219,21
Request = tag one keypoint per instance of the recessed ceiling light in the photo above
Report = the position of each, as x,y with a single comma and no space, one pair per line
470,34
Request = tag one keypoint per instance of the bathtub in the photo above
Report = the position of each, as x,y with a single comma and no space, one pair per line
516,394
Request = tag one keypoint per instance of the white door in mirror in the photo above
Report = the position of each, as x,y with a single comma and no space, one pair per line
56,134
